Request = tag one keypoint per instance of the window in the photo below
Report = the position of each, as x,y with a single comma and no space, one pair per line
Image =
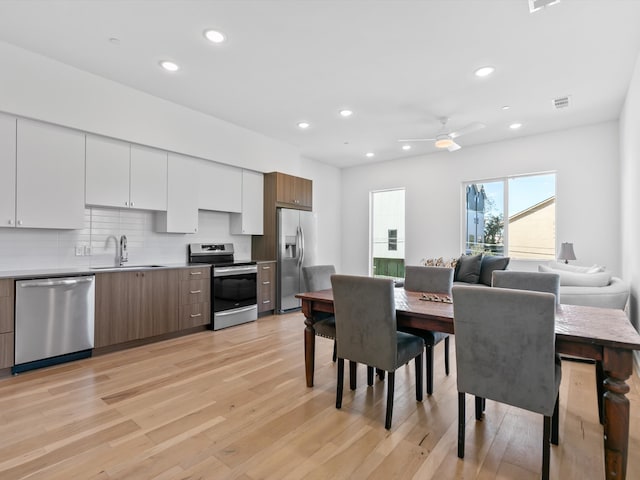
387,234
512,216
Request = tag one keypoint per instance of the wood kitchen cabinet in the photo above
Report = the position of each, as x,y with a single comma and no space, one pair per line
41,175
280,190
293,192
195,297
250,221
135,305
182,197
6,322
125,176
266,286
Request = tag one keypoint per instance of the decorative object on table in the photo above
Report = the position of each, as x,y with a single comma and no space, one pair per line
439,262
517,327
366,332
436,282
566,252
436,297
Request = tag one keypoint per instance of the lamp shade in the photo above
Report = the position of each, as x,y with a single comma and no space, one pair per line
566,252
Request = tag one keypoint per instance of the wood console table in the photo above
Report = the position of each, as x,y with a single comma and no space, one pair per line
595,333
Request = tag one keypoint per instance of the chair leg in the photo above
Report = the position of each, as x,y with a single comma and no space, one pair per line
600,390
546,447
340,382
461,420
446,355
335,352
352,374
380,374
390,390
555,421
429,365
479,407
419,378
369,375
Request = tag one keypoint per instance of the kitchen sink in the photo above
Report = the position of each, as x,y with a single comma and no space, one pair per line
126,267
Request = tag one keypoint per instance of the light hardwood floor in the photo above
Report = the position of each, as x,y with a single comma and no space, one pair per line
233,404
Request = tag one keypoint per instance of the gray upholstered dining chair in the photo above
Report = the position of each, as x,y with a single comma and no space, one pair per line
505,351
318,277
546,282
366,332
432,280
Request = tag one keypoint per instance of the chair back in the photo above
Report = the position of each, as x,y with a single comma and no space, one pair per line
318,277
428,279
505,346
365,313
534,281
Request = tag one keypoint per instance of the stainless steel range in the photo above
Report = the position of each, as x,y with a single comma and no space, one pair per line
234,284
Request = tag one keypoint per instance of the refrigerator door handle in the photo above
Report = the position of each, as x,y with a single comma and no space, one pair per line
301,245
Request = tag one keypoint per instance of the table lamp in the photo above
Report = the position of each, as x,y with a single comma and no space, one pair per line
566,252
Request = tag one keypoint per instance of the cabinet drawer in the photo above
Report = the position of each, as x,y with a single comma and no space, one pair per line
194,315
195,273
6,350
194,291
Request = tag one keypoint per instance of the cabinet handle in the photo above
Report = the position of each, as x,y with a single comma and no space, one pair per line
10,222
126,204
19,222
266,301
266,283
132,204
195,291
266,268
194,315
195,273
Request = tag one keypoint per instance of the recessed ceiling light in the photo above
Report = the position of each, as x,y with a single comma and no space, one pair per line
169,66
370,154
506,107
114,40
303,125
346,113
515,126
406,147
214,36
484,71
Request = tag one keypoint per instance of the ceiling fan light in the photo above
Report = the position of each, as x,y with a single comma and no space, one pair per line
443,141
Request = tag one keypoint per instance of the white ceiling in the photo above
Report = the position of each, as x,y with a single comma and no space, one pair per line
399,65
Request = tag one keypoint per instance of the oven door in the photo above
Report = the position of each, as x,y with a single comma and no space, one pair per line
234,295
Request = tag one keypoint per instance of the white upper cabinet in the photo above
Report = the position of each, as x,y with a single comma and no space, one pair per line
182,200
219,187
49,176
148,178
107,172
125,176
250,221
7,171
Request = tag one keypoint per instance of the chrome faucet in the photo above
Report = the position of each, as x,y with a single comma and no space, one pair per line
124,255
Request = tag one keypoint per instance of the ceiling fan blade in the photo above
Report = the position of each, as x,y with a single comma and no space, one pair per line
454,147
416,140
468,129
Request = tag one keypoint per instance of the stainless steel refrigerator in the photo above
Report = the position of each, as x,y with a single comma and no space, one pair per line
296,248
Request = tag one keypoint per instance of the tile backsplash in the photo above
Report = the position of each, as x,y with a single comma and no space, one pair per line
34,248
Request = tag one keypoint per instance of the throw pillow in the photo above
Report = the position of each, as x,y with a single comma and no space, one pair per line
489,264
575,268
578,279
468,269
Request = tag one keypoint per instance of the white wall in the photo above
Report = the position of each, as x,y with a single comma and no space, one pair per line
588,203
36,87
630,191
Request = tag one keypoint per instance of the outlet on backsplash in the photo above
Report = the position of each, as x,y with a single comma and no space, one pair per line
79,250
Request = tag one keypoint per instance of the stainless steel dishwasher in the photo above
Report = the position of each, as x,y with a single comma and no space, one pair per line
54,321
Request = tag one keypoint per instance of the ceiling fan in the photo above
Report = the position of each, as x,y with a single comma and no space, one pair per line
444,137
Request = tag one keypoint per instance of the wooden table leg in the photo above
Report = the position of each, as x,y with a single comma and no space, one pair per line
309,342
618,367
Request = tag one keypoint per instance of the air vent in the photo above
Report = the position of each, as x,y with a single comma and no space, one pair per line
561,102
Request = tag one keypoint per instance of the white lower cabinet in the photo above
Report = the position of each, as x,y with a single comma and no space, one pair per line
49,176
182,197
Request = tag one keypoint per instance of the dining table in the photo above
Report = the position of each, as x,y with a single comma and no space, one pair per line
600,334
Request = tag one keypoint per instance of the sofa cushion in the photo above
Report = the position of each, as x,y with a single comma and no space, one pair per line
489,264
575,268
468,269
577,279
